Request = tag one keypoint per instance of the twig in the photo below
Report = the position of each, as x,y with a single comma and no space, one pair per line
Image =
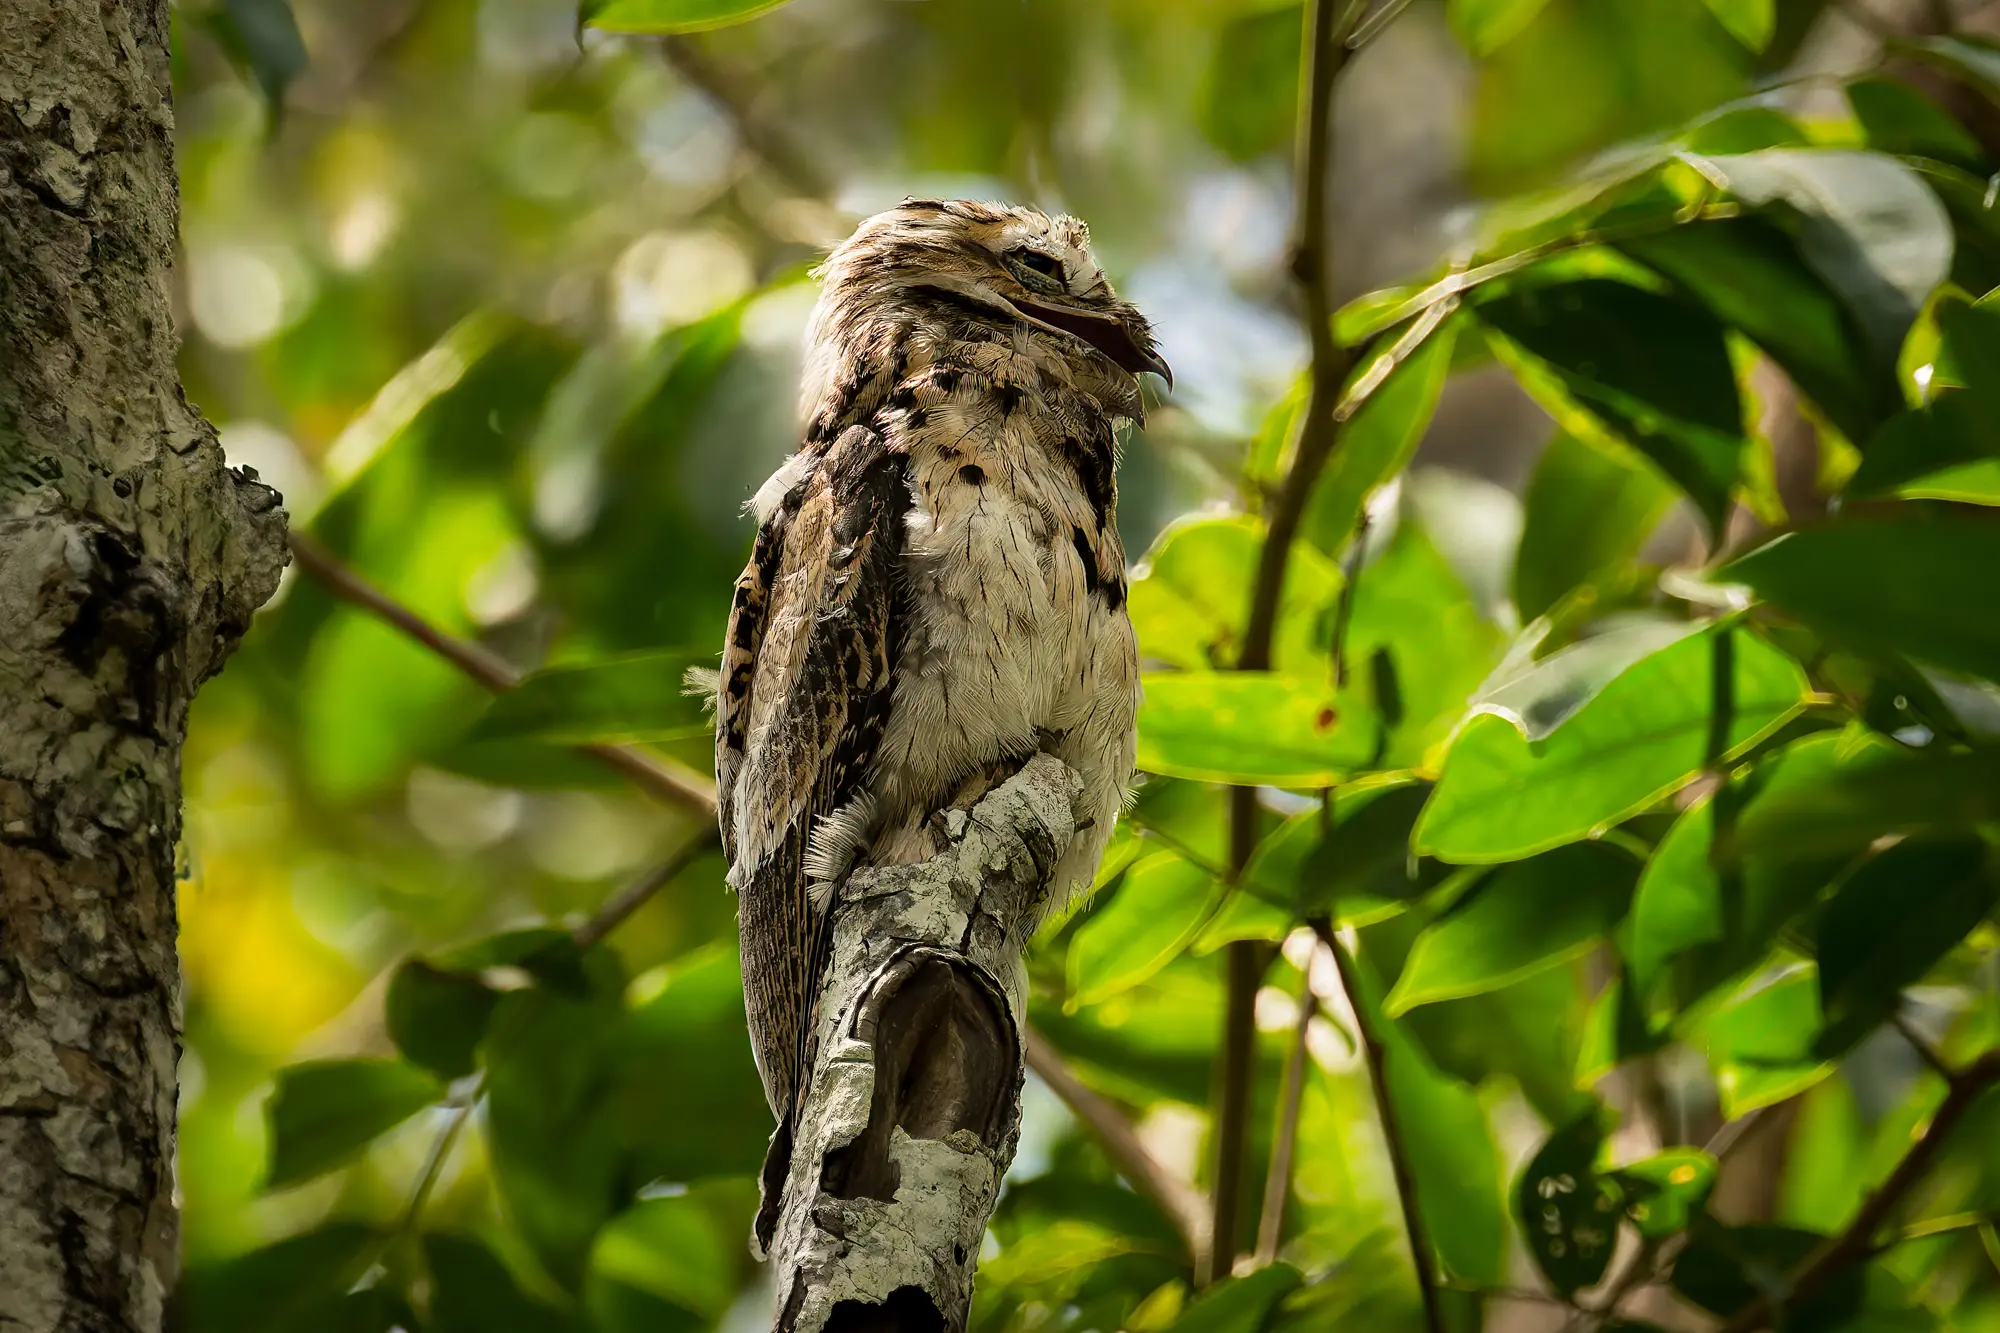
652,774
1328,25
1284,1142
1372,27
622,904
759,134
1392,1134
1180,1201
1853,1245
1925,1051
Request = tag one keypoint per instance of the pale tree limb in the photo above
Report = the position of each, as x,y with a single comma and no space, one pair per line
913,1106
1284,1143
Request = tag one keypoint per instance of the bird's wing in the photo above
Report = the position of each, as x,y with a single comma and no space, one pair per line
805,696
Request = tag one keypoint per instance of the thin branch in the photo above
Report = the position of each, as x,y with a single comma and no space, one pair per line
622,904
759,133
1854,1245
1180,1201
1925,1051
1284,1142
1392,1134
1375,24
1328,25
657,776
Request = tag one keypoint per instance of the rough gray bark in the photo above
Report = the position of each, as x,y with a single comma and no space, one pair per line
914,1106
130,561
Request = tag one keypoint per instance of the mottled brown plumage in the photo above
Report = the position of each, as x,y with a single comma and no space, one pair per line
937,587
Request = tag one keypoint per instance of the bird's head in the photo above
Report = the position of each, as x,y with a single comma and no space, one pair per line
943,267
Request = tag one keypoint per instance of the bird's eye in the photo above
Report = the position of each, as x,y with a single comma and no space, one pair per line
1046,265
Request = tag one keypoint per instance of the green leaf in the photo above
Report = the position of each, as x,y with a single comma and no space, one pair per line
1568,1213
1589,511
263,37
270,1290
1239,1304
325,1112
1884,584
1665,1193
681,1058
1867,225
437,1018
1848,809
1724,1268
546,953
1251,727
1503,796
1654,370
1690,896
1190,600
1751,276
634,697
1955,435
1760,1041
1523,918
1899,120
1248,100
1486,25
1157,910
472,1292
668,1248
1750,22
670,15
1360,869
1540,696
1888,924
1379,439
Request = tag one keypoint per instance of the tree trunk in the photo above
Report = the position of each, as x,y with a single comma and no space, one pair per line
915,1103
130,561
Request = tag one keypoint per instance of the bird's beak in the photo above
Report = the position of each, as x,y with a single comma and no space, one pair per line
1106,333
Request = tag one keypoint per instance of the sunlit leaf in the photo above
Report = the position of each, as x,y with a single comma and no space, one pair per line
631,697
668,1248
670,15
1162,903
1484,25
1239,1304
1956,435
1190,598
1760,1041
1567,1211
1854,581
1250,727
1664,1193
1645,735
1588,512
323,1114
1749,21
1523,918
1378,441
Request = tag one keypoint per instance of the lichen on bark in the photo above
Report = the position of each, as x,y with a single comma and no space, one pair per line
913,1110
131,559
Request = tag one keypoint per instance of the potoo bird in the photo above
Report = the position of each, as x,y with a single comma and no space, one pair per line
937,587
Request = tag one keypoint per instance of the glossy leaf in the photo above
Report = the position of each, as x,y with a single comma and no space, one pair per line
1503,796
1567,1211
1190,598
632,697
1760,1041
1856,582
1239,1304
670,16
1523,918
1953,438
1250,727
1158,909
1378,441
1890,921
668,1248
1654,369
1664,1193
323,1114
1588,513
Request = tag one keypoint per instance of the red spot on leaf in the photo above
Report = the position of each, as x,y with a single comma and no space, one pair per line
1327,717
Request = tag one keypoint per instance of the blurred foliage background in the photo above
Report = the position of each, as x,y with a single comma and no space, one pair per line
510,308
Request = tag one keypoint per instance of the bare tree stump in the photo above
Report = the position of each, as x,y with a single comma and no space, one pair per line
914,1106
